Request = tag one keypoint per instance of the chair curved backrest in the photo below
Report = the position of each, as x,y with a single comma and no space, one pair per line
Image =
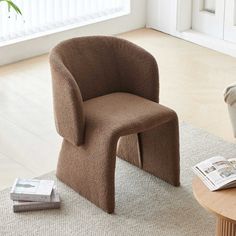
88,67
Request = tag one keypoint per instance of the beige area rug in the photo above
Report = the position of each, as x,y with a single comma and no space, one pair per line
145,205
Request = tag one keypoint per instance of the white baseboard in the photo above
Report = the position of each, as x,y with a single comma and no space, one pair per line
219,45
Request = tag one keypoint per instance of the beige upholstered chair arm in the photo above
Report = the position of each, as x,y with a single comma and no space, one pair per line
138,71
68,103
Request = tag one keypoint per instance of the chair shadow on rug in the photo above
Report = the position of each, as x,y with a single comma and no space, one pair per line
106,92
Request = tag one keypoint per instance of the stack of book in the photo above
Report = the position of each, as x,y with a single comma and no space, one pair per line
34,194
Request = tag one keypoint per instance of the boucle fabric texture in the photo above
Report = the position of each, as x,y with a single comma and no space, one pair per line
145,205
106,89
87,67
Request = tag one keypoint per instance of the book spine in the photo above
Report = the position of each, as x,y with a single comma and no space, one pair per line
30,197
42,206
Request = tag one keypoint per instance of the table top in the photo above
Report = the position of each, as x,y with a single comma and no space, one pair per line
222,202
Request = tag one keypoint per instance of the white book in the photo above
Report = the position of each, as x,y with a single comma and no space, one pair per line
21,206
32,190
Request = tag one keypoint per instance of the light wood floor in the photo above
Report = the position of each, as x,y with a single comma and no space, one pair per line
192,80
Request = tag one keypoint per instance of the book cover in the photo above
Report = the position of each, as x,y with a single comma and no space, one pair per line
21,206
32,190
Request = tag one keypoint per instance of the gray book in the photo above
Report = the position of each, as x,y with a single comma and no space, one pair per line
20,206
32,190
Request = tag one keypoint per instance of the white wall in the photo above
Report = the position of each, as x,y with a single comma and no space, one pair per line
174,17
161,14
38,46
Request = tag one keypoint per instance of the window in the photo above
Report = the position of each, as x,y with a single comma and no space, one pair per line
40,17
209,5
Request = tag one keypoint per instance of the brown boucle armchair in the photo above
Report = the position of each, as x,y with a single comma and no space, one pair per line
106,90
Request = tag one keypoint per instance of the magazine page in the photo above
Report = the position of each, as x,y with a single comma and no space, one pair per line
233,162
217,171
204,179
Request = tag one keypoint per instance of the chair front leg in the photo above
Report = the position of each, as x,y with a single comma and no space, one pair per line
160,151
155,151
90,171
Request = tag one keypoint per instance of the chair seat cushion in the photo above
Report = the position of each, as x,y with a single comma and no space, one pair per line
125,113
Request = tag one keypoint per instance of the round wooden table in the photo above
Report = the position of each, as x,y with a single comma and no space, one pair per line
222,203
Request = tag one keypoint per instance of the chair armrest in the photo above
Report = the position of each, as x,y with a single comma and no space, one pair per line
68,103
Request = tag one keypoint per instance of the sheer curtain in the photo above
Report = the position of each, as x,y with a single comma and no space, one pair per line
45,16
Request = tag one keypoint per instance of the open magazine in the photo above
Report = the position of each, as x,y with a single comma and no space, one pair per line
217,172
